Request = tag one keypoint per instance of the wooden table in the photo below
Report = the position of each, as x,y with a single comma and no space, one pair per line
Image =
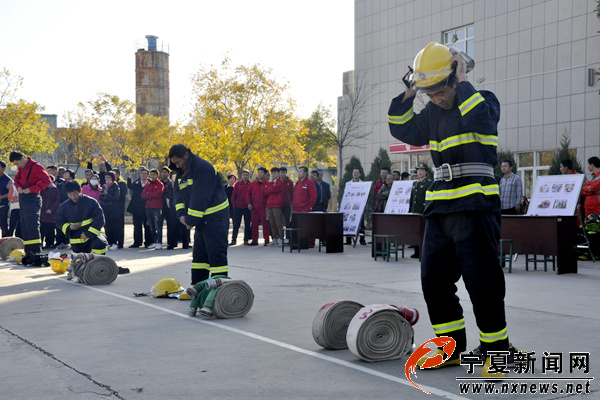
556,236
531,235
323,226
409,228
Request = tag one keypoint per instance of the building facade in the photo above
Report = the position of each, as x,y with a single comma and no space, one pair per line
538,56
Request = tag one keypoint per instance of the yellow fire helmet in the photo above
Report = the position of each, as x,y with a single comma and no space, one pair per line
17,255
59,266
433,66
166,286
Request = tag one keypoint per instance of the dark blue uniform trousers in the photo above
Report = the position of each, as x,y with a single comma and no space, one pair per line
464,244
29,220
210,247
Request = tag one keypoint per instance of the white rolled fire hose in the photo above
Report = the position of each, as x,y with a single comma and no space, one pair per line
7,245
378,332
93,269
233,300
331,323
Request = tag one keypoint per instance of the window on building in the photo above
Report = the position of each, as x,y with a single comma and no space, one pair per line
461,39
532,164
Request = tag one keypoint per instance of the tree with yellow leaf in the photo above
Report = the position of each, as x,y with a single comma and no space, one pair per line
150,139
21,127
109,125
243,118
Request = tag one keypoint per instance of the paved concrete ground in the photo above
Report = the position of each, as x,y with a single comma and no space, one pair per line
60,340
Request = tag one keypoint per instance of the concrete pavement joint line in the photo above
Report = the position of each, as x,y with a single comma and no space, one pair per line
297,349
48,354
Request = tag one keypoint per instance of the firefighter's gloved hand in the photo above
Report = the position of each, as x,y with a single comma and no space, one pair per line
407,79
460,65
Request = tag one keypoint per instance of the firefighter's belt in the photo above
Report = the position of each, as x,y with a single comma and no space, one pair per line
378,333
7,245
331,323
447,172
233,300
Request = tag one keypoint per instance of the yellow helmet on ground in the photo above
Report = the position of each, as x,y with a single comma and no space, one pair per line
17,255
166,286
59,266
432,66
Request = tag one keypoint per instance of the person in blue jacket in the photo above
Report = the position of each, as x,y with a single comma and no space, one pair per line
201,203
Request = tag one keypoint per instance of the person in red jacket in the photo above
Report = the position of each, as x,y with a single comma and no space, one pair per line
591,189
305,192
240,209
30,180
257,203
274,193
383,173
152,193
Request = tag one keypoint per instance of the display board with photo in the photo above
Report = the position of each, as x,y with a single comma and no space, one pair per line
353,205
399,200
555,195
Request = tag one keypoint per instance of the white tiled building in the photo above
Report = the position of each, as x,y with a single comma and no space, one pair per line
537,56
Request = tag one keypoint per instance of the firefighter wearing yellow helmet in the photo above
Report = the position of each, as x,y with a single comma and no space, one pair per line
462,208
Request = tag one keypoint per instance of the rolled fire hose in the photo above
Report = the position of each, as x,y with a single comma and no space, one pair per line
233,300
331,323
378,333
7,245
93,269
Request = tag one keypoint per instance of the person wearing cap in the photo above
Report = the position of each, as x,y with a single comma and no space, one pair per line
462,205
417,194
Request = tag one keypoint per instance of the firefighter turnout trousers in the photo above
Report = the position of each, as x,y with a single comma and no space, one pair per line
464,244
210,247
98,245
30,205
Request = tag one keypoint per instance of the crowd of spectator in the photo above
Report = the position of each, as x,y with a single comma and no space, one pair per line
266,201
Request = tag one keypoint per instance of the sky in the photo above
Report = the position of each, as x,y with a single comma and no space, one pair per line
67,51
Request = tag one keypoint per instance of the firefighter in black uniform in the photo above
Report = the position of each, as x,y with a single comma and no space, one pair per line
417,195
81,219
463,203
201,203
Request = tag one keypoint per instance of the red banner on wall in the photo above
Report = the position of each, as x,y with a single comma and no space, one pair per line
396,148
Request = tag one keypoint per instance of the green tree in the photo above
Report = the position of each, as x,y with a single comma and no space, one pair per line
564,153
353,164
318,142
382,160
243,118
21,127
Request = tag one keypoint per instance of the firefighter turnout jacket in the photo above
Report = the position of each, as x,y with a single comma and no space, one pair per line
87,212
199,192
467,133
